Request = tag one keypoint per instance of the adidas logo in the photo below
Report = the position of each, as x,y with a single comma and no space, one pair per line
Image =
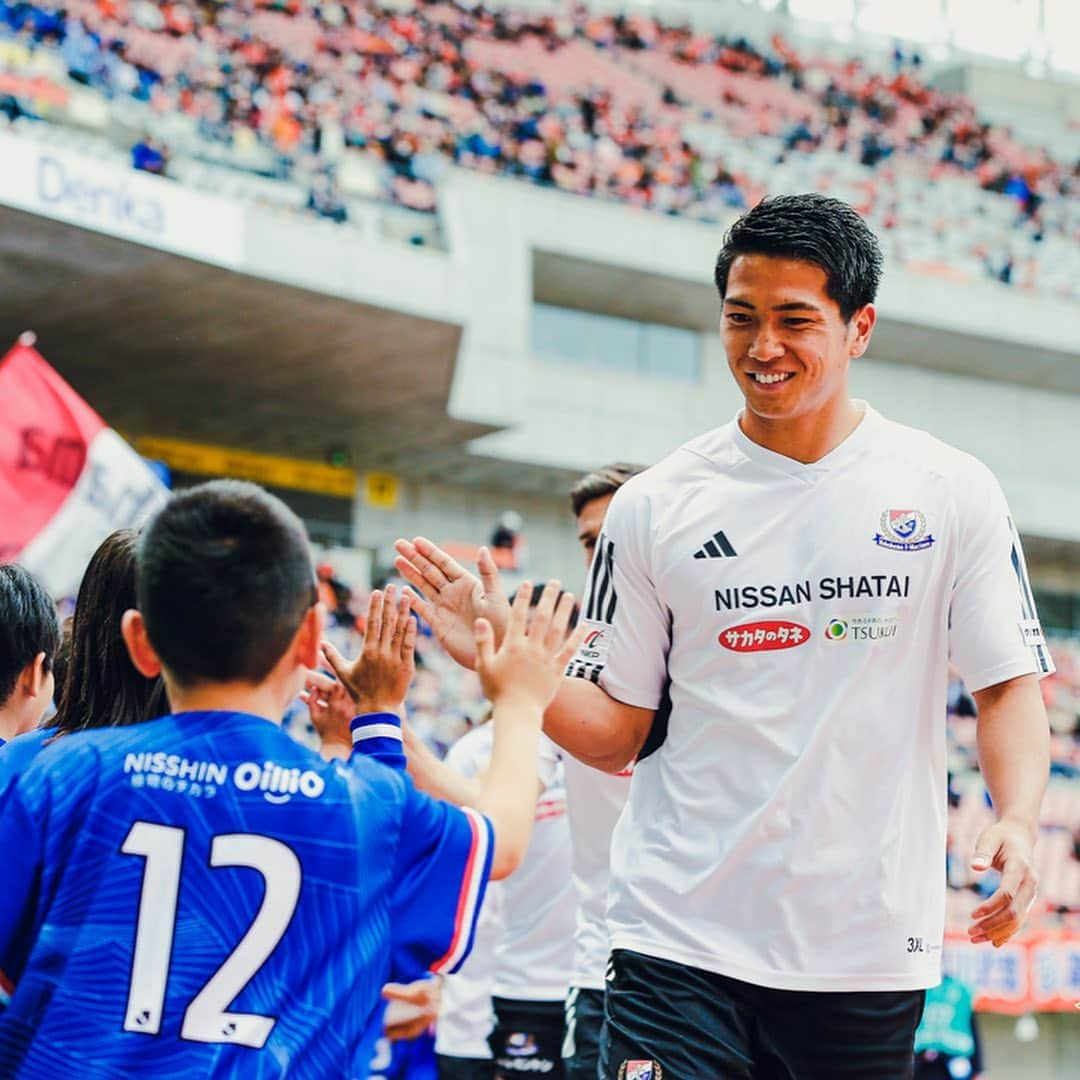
718,547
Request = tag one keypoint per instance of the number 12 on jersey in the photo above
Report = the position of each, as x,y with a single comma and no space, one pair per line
206,1018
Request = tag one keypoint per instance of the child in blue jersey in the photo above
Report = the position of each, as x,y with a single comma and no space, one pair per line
29,637
198,895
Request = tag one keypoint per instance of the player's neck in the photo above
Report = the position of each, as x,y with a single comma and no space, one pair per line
10,724
261,700
804,438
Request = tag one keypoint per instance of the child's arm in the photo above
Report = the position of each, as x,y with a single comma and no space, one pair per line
520,679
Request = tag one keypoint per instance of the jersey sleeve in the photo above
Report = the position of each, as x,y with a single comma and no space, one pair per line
994,631
378,736
21,843
442,871
629,628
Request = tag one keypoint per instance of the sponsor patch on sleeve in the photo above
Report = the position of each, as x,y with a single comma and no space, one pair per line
1031,632
592,656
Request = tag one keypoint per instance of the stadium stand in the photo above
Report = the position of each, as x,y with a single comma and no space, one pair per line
610,106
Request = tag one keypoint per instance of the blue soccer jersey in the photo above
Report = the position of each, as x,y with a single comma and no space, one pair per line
17,754
200,895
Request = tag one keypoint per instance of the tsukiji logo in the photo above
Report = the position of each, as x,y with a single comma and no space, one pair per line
765,636
903,530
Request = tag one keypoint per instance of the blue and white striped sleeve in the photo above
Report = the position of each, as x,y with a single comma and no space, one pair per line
378,736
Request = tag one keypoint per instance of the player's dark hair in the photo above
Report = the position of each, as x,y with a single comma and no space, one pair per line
101,686
603,481
28,626
223,580
816,229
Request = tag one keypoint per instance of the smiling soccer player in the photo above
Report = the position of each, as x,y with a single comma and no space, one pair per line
778,896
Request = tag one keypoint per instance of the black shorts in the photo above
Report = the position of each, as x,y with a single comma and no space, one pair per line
463,1068
527,1038
668,1021
584,1019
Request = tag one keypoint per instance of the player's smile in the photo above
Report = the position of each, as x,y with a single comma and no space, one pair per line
769,379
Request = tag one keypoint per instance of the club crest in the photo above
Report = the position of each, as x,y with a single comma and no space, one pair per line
903,530
641,1070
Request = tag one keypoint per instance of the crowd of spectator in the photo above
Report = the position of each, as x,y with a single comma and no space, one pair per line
606,105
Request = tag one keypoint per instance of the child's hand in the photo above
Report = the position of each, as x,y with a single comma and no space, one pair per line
379,678
527,668
331,708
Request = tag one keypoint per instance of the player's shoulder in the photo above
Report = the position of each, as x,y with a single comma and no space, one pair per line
914,448
699,460
20,751
701,457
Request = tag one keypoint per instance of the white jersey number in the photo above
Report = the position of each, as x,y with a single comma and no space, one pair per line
206,1018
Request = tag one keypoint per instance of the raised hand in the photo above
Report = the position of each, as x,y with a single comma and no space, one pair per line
450,598
331,708
528,667
416,1010
378,679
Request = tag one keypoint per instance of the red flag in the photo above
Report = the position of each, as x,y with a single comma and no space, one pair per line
66,479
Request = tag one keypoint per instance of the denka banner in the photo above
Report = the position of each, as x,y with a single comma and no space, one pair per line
66,479
113,198
1040,973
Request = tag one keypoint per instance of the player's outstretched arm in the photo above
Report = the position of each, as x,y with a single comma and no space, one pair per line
582,719
520,678
1014,755
595,728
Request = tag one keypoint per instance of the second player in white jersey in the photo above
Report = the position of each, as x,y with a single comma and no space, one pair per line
594,801
465,1013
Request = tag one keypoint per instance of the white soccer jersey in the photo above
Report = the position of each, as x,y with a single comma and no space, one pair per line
594,801
466,1016
533,959
535,946
793,624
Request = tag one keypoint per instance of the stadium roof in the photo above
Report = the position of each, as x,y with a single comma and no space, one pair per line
167,346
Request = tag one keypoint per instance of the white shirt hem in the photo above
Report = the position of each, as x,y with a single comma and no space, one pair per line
465,1049
1012,669
530,993
628,695
781,980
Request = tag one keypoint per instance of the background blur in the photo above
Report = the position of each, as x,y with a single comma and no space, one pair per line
417,266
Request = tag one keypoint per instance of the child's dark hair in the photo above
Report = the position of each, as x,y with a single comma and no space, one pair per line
223,580
101,687
28,626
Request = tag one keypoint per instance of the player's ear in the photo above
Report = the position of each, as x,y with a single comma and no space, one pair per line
862,326
32,677
133,631
308,636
